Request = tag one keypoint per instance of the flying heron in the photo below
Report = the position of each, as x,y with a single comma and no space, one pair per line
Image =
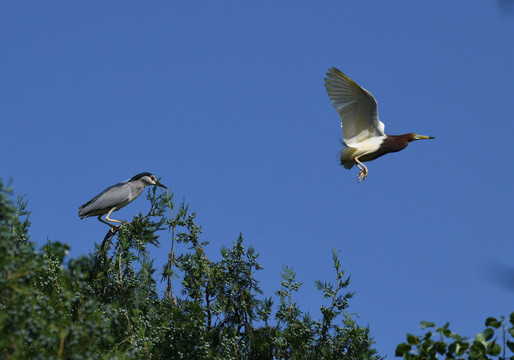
363,133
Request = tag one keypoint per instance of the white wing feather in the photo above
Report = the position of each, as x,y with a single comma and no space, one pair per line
356,107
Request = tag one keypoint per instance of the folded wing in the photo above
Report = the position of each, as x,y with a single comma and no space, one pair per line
106,200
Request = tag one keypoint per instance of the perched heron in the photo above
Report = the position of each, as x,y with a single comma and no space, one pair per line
117,196
363,133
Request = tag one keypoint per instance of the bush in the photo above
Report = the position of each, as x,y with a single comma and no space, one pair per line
107,305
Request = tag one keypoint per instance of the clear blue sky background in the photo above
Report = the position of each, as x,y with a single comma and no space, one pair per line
225,102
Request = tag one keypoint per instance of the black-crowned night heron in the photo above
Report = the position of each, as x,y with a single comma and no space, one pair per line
363,133
117,196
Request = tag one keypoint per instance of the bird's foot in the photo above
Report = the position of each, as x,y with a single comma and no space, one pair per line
362,175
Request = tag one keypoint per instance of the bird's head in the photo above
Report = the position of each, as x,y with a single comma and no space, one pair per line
413,137
148,179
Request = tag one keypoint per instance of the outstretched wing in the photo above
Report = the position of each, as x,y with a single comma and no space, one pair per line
356,107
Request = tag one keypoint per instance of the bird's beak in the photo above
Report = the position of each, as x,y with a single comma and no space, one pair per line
420,137
158,183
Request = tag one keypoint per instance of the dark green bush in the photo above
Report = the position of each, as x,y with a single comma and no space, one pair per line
107,305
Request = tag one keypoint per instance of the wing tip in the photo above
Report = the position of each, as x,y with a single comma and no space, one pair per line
334,74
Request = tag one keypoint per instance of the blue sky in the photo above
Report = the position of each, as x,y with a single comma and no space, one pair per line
225,102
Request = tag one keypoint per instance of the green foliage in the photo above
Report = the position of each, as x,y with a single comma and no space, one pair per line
108,305
449,345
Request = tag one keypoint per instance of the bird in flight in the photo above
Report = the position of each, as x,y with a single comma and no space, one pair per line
363,133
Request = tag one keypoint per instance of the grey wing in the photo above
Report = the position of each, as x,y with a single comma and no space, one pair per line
111,197
356,107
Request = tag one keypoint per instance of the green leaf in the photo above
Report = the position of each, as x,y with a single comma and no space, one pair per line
425,324
461,348
440,347
427,336
412,340
488,334
402,349
456,336
492,322
494,349
480,338
444,330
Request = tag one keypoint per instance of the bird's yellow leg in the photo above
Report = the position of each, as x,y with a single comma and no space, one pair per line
109,219
102,220
113,220
363,170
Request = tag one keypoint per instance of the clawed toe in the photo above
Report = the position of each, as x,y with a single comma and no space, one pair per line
363,173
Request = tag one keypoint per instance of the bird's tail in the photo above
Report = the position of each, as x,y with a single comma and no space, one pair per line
346,156
82,212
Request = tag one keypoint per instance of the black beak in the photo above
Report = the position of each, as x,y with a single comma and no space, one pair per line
161,185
